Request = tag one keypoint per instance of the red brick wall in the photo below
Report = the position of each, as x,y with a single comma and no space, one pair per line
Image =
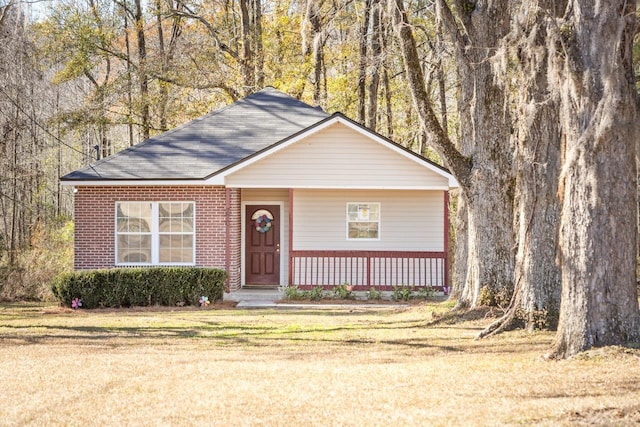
95,223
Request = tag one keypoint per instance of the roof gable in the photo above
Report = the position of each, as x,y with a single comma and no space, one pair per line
336,153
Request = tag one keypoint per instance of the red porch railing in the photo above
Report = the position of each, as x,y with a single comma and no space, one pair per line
366,269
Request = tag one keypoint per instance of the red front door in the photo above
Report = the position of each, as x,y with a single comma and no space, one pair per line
262,245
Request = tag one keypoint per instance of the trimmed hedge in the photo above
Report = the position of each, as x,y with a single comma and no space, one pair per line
127,287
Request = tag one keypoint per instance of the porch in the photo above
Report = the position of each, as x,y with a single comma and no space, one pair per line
295,251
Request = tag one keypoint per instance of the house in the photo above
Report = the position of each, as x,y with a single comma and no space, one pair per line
275,192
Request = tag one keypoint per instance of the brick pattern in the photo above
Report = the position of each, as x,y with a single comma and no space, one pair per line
95,223
235,246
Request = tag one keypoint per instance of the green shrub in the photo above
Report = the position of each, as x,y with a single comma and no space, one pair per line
127,287
426,292
374,294
402,293
294,293
316,294
343,291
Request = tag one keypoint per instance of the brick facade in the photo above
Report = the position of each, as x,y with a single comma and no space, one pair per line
95,224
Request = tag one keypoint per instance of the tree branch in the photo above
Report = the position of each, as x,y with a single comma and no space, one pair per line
460,38
233,94
188,13
460,165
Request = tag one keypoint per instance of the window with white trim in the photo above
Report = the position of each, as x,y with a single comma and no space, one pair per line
363,221
150,233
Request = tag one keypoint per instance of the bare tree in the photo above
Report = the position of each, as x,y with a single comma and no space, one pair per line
362,65
376,64
314,18
247,55
142,69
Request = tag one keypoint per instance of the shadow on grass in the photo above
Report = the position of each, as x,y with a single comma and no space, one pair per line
388,328
284,337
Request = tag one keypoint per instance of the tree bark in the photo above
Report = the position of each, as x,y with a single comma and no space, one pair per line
128,78
246,61
313,16
460,257
483,165
142,71
256,6
163,89
387,102
362,66
485,131
598,234
536,299
440,75
376,56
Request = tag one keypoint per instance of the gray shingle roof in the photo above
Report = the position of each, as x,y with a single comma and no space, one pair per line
207,144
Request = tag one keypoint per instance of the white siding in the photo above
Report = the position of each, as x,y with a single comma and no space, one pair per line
409,220
267,195
336,157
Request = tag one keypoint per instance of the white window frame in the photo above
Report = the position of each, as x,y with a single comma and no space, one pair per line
155,235
364,239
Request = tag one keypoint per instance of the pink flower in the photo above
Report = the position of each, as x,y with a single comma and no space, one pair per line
76,303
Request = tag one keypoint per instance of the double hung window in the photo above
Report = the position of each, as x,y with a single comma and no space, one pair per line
363,221
155,233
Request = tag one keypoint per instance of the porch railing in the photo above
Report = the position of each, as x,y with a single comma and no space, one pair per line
366,269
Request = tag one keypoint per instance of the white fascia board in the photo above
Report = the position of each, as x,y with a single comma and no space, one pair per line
137,183
345,187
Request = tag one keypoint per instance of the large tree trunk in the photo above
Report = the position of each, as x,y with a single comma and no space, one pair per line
482,165
459,267
536,300
599,195
485,138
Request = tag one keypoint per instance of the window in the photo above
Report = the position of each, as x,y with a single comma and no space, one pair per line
133,228
151,233
363,221
175,229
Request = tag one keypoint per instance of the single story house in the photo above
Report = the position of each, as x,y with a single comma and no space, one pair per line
274,191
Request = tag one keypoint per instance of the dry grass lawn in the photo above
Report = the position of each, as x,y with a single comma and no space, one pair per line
230,367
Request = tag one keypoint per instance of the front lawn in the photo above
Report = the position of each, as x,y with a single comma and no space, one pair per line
157,366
